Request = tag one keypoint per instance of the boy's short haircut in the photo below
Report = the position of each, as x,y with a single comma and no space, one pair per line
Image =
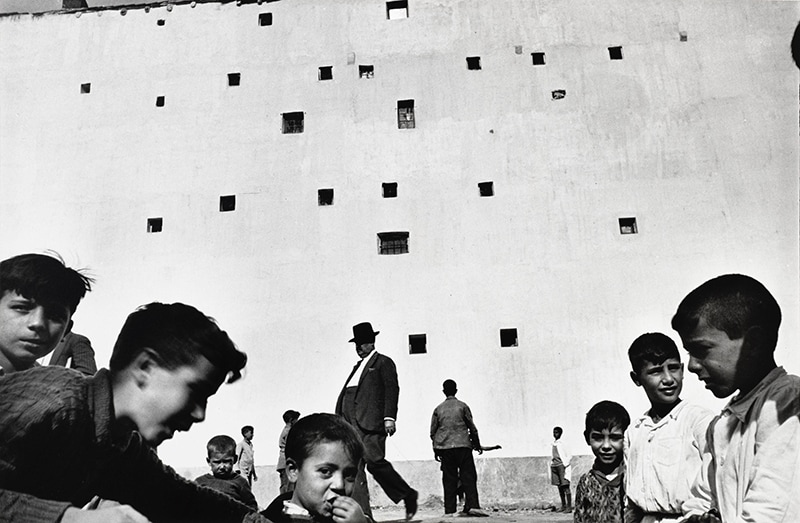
221,445
290,415
44,279
177,334
606,415
449,387
246,429
732,303
652,347
314,429
558,429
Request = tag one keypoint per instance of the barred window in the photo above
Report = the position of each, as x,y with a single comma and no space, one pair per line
405,114
293,123
392,242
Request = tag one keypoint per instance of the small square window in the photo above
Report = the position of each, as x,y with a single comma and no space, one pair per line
325,197
264,19
366,71
397,10
417,344
486,189
559,94
538,58
389,189
683,36
508,338
392,243
227,203
326,72
474,63
159,101
155,224
615,53
628,226
518,49
86,88
234,79
405,114
161,21
293,123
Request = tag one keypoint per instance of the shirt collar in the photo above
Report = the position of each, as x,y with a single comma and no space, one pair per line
647,419
369,358
740,406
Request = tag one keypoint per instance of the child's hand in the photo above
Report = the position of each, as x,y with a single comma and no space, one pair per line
112,514
347,510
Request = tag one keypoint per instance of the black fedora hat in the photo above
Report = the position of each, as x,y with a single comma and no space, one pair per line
363,333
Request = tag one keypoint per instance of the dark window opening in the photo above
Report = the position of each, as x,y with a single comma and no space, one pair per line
518,49
559,94
293,123
227,203
405,114
389,189
161,21
159,101
326,72
417,344
397,10
86,88
366,71
325,196
538,58
265,19
474,63
155,224
628,226
392,242
615,53
508,338
486,188
683,36
234,79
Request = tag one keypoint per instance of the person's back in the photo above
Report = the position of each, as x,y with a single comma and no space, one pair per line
66,439
38,296
600,494
751,472
663,447
221,458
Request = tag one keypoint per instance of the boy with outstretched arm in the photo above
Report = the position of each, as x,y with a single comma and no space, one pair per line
600,495
221,458
751,472
322,455
38,296
66,438
663,447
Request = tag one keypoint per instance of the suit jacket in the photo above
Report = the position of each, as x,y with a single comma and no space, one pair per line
376,395
78,348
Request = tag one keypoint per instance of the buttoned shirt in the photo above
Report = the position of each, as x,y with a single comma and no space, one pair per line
452,425
664,457
752,470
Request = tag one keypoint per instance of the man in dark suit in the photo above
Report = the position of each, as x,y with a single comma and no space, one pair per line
368,401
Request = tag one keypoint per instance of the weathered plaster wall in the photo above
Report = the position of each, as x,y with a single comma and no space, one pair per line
696,139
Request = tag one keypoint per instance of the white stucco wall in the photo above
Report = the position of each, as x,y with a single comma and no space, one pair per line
698,140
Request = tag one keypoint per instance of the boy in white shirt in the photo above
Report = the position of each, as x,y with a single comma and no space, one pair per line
663,447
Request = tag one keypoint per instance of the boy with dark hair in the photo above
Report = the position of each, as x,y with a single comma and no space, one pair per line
221,457
751,472
290,417
561,470
600,495
245,454
322,455
664,447
38,296
66,438
454,435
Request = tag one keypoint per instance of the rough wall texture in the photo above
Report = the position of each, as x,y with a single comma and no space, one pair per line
696,139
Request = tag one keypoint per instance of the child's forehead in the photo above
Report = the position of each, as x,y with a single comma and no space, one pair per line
332,452
649,364
222,453
607,430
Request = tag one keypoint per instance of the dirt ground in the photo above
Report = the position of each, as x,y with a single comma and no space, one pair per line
429,514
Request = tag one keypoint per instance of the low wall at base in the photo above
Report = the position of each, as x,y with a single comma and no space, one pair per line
502,482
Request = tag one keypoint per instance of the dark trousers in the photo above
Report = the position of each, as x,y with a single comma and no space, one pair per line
457,464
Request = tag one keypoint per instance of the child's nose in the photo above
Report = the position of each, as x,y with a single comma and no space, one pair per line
199,413
36,318
337,484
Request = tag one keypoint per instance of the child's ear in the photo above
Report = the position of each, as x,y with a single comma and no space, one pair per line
208,460
586,436
69,328
143,365
292,470
635,379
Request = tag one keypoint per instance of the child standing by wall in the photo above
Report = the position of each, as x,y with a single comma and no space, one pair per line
221,457
664,447
561,470
751,472
600,495
290,417
246,455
